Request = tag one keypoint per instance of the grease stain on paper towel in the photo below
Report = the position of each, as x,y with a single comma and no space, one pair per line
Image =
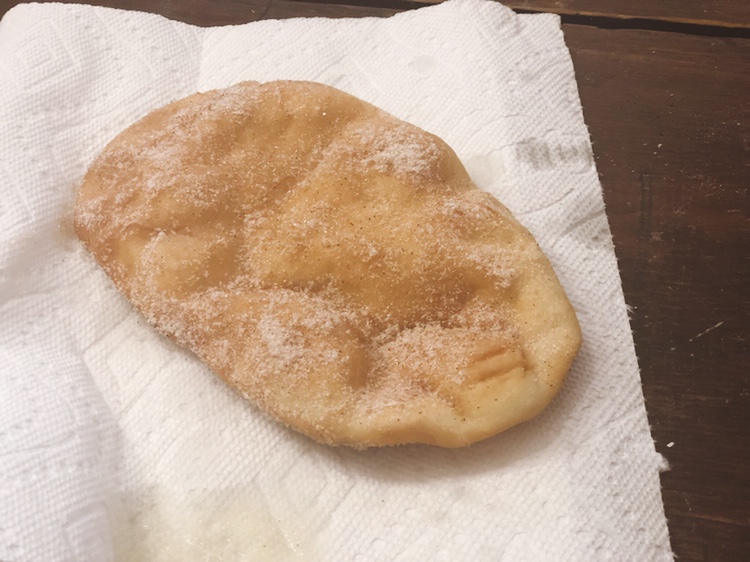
236,526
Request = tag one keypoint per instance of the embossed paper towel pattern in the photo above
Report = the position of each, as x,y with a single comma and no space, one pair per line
114,443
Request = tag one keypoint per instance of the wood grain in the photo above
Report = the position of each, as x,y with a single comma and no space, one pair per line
718,13
196,12
724,13
669,116
229,12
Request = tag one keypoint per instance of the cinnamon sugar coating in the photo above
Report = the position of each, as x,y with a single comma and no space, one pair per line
334,264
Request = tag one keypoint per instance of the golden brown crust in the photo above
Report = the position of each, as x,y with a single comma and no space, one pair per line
334,264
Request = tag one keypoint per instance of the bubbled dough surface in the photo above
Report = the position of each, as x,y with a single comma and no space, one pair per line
334,264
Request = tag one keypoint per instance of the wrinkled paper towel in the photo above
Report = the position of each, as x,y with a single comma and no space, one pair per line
115,444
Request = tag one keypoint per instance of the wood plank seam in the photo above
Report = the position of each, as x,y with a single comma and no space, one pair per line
695,26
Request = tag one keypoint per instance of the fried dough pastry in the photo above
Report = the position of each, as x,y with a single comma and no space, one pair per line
335,265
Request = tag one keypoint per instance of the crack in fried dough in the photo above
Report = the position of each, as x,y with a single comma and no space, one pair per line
334,264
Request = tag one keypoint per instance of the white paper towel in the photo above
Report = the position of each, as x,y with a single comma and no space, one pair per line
115,444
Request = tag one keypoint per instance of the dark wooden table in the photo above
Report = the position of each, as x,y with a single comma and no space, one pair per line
665,88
